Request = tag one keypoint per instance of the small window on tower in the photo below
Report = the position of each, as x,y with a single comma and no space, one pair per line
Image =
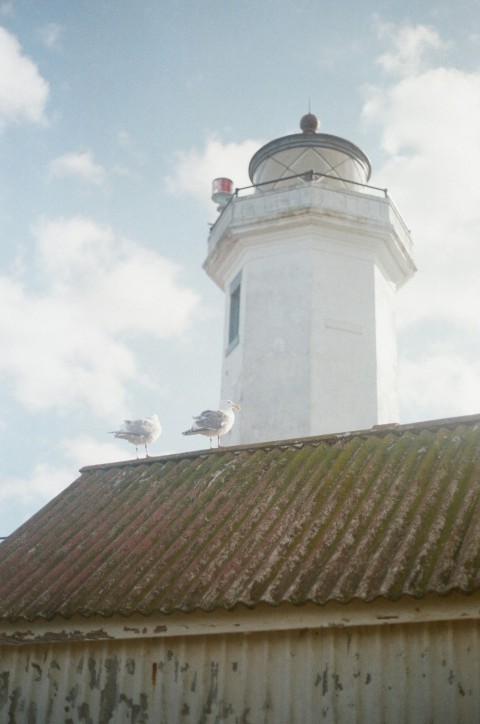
234,316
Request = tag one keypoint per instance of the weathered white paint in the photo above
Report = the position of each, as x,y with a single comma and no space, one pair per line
262,618
415,673
320,269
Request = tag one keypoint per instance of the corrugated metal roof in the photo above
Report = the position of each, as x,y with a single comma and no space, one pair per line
388,512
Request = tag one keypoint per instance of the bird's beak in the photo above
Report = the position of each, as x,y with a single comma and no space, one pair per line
237,407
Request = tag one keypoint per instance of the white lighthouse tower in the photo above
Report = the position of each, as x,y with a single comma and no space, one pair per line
310,259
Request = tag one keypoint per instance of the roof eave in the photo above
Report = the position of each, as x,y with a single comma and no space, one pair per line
242,619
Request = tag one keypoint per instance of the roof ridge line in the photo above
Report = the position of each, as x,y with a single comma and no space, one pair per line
376,430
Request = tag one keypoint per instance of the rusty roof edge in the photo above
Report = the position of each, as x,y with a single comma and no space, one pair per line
328,438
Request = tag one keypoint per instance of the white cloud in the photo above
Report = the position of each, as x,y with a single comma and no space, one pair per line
80,165
67,342
433,177
44,483
85,450
23,92
50,34
443,382
429,124
410,49
124,287
123,138
46,480
195,170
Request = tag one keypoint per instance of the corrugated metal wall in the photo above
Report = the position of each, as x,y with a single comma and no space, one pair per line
394,674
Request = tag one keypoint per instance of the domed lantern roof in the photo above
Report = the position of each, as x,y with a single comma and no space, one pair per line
291,160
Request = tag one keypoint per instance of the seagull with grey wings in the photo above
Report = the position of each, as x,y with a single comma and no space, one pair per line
140,432
214,423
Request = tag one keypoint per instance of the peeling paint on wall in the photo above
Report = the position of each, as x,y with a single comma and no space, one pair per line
412,672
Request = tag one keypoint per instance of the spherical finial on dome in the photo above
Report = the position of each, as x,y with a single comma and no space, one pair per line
309,123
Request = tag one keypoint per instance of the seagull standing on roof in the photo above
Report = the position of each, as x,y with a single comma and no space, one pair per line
140,432
214,423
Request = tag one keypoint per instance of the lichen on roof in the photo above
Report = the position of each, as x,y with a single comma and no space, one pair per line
386,513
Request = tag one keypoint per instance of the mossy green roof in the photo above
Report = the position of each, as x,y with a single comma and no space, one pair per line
389,512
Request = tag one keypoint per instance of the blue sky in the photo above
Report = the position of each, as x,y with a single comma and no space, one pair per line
115,116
